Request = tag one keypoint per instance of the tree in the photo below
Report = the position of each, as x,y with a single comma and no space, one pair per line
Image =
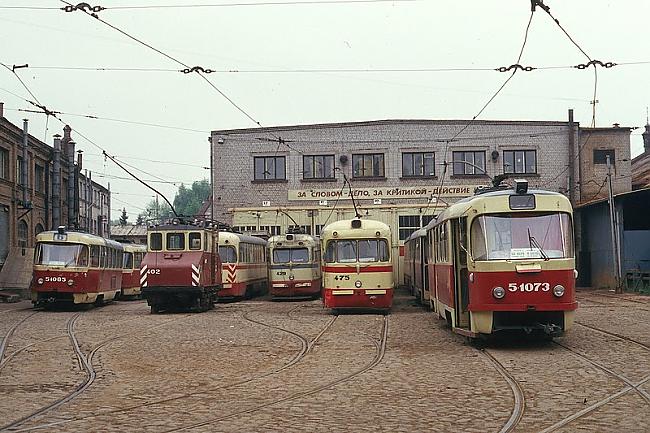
156,210
188,201
140,220
124,217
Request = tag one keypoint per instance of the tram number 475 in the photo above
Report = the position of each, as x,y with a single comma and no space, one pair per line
341,277
529,287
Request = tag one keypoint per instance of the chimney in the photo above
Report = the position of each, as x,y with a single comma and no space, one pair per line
65,140
80,159
2,110
56,182
646,138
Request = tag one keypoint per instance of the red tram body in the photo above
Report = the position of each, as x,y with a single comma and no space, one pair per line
504,260
181,269
357,268
133,255
77,268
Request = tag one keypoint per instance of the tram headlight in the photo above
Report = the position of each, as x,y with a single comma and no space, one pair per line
40,281
357,284
498,292
558,290
70,282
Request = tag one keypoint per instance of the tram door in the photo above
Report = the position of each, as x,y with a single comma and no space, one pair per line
459,233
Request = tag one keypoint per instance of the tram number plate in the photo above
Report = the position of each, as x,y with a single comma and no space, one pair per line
341,277
529,287
55,279
281,273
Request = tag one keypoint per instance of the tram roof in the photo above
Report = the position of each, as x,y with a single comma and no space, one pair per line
135,248
297,237
368,227
480,201
79,238
416,234
230,236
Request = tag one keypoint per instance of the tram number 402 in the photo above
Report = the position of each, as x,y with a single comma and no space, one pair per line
341,277
529,287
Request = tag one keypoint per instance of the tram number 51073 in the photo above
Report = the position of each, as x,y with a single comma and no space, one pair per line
529,287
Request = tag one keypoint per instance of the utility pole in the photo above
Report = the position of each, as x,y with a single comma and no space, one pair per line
614,228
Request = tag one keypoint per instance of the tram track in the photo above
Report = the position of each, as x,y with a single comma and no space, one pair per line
85,364
380,351
629,385
519,405
306,347
7,336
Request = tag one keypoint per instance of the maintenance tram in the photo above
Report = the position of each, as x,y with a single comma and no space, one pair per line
415,266
357,267
504,260
75,268
245,268
294,269
181,269
133,255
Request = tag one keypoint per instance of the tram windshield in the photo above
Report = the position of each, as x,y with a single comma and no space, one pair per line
293,255
522,236
352,250
227,254
62,255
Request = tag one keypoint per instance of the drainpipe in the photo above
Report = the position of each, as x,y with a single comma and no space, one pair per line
572,183
56,183
23,166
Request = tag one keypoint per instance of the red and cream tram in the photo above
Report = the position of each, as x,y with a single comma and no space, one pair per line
76,268
294,269
504,260
133,255
181,269
415,266
245,268
357,267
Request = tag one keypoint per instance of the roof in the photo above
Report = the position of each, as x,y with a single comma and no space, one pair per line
128,230
78,237
228,236
616,196
389,122
368,228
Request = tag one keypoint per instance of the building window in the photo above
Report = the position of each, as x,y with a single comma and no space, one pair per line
303,229
469,163
4,164
19,170
600,156
418,164
38,229
271,230
318,167
368,165
520,161
270,168
22,234
39,177
410,223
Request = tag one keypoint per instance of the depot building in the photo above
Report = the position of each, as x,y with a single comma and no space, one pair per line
401,172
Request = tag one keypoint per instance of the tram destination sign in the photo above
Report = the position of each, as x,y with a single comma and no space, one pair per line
400,192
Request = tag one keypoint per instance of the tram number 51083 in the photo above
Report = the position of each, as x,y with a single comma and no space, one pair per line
529,287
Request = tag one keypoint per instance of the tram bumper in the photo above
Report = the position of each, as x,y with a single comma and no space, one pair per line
358,298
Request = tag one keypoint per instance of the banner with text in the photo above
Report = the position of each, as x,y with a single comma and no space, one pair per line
402,192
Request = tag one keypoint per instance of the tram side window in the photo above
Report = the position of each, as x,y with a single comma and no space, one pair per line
94,256
128,261
155,241
330,252
103,261
83,257
175,241
195,241
110,256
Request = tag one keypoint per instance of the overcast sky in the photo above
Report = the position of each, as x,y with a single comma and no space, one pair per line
263,42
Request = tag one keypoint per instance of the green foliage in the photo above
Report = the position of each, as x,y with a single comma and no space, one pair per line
124,217
188,201
156,210
140,220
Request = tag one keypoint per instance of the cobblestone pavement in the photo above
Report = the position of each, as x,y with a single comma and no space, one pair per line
293,367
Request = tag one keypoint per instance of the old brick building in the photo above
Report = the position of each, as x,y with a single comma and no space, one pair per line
41,187
267,179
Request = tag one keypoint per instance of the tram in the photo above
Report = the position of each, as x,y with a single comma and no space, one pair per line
133,255
75,268
504,260
182,269
294,266
415,266
357,267
245,268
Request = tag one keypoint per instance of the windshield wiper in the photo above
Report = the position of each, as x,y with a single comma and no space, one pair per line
533,243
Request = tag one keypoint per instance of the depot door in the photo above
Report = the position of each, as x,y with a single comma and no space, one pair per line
459,243
4,234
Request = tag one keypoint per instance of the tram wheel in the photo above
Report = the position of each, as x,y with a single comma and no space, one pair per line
155,309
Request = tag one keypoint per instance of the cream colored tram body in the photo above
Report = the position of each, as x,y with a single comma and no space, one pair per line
294,266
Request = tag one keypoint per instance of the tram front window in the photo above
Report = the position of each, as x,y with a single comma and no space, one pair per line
62,255
294,255
227,254
522,236
363,250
